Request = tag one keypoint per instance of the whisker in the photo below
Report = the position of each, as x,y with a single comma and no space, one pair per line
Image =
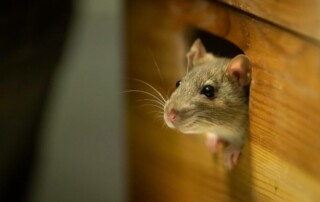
160,114
153,88
156,115
163,124
144,92
149,104
154,101
157,66
160,118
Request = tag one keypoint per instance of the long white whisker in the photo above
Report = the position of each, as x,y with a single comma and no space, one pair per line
156,65
144,92
163,125
154,101
149,104
153,88
160,118
158,113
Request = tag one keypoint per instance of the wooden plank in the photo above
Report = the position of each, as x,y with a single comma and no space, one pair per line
279,163
299,16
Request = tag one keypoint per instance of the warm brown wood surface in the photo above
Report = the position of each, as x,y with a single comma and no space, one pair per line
299,16
279,163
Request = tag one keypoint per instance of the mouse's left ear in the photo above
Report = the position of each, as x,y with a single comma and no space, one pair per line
239,70
197,54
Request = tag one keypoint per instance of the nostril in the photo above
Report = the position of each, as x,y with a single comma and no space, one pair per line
172,114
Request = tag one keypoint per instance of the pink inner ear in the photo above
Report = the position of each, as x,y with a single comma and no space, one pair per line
201,50
196,52
239,70
237,73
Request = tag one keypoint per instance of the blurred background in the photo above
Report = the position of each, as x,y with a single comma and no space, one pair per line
68,135
62,128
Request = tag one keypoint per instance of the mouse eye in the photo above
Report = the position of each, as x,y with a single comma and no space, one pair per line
178,83
208,91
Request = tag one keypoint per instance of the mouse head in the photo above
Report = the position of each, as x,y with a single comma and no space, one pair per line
212,93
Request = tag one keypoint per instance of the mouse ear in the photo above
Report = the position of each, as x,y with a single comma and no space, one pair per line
197,53
239,70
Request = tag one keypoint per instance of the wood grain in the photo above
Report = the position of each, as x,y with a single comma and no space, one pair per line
279,163
302,17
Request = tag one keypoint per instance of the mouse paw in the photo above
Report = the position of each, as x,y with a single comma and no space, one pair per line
231,156
213,142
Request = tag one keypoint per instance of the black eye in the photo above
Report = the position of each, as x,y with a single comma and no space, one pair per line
178,83
208,91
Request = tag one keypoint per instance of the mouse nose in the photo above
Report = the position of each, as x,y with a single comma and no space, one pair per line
172,114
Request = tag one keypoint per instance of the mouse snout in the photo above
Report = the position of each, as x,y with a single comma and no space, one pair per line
172,114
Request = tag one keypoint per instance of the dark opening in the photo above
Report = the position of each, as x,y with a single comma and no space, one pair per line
216,45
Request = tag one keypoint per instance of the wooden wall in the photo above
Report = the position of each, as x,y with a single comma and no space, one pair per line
280,161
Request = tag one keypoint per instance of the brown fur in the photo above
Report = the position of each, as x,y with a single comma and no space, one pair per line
225,114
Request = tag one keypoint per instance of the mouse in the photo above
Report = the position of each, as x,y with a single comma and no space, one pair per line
212,99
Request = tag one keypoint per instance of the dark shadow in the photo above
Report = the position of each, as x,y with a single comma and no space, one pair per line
217,45
31,42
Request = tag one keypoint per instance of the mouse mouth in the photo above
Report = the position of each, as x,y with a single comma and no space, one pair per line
180,119
186,129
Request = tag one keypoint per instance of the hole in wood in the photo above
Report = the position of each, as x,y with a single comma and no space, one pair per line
216,45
